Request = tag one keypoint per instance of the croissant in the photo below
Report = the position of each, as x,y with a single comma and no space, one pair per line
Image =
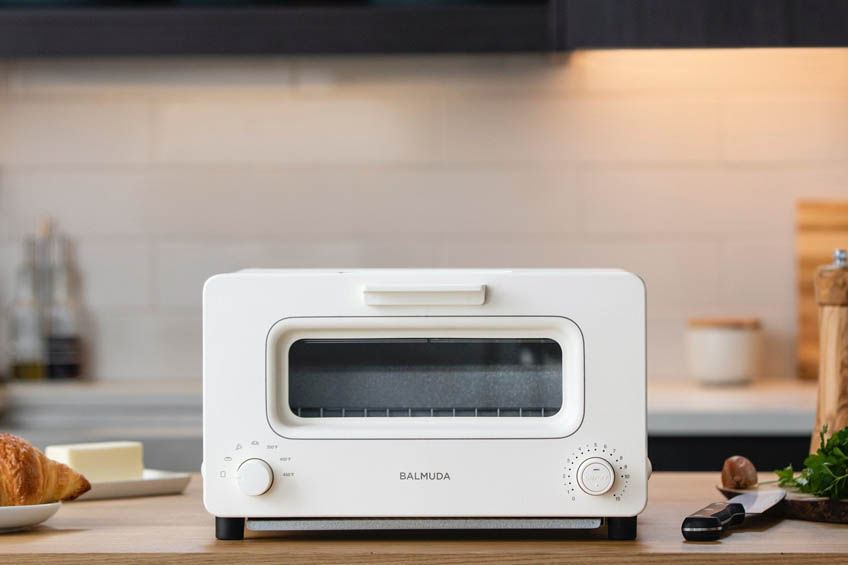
27,476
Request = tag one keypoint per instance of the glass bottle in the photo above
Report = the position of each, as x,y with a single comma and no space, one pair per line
25,332
64,344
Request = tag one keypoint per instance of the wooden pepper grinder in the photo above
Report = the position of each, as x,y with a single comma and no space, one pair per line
831,282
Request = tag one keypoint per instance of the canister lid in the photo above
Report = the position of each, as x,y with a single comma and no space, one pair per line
725,322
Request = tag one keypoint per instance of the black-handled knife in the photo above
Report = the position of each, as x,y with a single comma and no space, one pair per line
710,523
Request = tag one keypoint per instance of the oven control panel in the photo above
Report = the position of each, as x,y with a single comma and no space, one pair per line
595,476
595,469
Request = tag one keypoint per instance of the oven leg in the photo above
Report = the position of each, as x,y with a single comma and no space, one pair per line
229,528
621,528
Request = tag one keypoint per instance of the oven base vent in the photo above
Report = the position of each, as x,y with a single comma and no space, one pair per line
337,524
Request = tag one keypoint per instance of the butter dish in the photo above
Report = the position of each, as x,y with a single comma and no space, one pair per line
153,483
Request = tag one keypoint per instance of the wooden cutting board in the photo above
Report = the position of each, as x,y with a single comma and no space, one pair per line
800,506
821,227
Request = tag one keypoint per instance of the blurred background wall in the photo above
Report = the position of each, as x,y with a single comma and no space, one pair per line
683,166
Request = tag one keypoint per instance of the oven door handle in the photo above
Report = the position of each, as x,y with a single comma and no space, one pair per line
424,294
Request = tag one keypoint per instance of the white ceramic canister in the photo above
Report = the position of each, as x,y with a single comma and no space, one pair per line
724,351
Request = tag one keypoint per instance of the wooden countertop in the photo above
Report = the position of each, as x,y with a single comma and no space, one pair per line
177,528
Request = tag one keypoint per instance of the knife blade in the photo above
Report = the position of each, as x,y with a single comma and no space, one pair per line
710,523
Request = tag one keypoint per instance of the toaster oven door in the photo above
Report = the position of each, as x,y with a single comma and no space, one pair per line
424,377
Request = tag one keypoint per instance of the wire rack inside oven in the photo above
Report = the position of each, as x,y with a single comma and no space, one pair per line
497,412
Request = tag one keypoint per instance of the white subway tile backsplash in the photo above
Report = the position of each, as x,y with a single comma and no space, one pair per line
49,132
667,349
114,273
709,201
759,273
512,129
781,128
94,202
501,251
802,128
256,202
466,201
298,129
244,202
145,344
779,344
682,166
721,71
816,182
175,202
374,252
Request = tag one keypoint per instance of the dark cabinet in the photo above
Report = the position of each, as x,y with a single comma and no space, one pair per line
707,453
705,23
242,28
64,27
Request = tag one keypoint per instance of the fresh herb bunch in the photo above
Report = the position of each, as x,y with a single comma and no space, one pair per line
825,472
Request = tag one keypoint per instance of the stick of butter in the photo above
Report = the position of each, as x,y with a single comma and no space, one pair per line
104,461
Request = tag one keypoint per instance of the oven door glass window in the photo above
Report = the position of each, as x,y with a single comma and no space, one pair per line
422,377
425,377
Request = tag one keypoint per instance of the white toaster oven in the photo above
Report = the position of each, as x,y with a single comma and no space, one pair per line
417,399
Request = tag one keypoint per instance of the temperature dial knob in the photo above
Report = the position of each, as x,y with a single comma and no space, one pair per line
254,477
595,476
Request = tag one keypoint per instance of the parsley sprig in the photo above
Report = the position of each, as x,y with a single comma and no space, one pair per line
825,472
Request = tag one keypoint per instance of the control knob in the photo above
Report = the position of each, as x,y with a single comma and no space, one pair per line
595,476
254,477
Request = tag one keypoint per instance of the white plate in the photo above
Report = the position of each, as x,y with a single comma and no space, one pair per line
152,483
14,518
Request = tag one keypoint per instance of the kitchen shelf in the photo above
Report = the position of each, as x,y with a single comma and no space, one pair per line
765,408
241,28
692,427
165,415
78,411
689,426
675,408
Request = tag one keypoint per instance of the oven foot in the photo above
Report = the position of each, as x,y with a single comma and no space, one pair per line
621,528
229,528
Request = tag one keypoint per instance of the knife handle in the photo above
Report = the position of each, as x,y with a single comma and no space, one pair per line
710,523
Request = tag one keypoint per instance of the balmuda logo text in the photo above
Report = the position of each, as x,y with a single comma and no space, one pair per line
425,476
